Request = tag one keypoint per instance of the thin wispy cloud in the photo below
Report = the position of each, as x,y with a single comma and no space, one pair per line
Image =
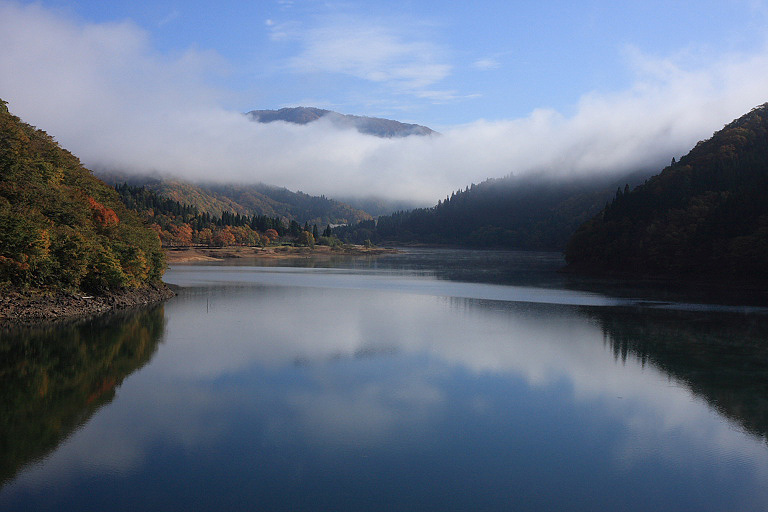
487,63
377,52
171,16
115,101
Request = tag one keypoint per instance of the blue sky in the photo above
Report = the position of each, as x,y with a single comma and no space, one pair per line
560,87
436,63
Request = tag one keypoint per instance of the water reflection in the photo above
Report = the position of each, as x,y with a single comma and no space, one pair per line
332,388
723,358
54,378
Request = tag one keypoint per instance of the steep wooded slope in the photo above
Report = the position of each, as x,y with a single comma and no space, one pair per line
706,215
62,228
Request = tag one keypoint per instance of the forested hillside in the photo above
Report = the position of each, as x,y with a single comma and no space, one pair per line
180,224
251,200
513,212
706,215
62,228
298,206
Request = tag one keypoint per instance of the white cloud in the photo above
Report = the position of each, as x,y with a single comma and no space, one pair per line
108,96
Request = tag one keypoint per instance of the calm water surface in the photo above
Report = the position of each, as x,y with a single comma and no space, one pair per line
431,380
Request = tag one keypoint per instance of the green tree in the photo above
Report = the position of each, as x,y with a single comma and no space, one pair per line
306,238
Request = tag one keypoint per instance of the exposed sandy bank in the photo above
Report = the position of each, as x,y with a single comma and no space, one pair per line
195,254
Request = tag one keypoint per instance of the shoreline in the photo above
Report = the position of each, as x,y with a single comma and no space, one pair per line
202,254
33,307
29,308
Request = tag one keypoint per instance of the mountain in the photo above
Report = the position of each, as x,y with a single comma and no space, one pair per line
537,213
378,206
60,227
368,125
704,216
258,199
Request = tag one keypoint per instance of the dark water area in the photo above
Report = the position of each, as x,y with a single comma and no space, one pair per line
430,380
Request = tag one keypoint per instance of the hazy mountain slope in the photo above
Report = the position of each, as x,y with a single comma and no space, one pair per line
195,195
258,199
369,125
378,206
291,205
178,190
513,212
706,215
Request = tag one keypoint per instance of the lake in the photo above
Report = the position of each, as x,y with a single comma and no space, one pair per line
428,380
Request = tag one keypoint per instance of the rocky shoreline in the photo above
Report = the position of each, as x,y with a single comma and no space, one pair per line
29,308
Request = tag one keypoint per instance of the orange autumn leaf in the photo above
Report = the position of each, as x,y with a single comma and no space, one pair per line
103,217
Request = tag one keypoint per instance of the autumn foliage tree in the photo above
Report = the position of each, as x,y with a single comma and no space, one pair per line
223,237
272,234
103,217
182,234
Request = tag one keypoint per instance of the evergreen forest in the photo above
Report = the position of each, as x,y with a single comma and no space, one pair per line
705,215
526,213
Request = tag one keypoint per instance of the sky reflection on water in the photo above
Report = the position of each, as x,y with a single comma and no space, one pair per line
349,389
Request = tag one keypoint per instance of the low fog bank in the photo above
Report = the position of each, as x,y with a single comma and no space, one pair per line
109,97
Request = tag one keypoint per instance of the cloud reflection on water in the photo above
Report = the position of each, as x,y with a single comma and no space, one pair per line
330,369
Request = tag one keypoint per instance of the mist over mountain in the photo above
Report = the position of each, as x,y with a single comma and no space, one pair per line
369,125
378,206
705,215
118,100
514,212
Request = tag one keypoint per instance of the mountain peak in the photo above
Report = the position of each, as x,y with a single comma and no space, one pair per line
376,126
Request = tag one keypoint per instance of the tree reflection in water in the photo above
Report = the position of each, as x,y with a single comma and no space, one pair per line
54,378
720,357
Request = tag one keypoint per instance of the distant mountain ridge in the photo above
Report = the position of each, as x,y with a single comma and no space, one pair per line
377,126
